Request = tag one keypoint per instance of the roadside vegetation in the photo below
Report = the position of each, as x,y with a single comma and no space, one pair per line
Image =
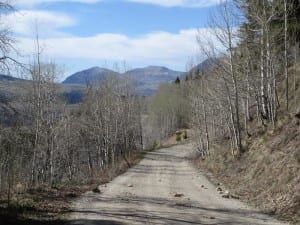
50,151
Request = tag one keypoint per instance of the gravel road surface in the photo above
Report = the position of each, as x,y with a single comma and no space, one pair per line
163,189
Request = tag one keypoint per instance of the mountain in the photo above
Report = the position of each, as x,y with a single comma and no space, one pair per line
92,75
149,78
146,79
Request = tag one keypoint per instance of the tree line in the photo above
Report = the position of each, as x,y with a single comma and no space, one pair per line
55,144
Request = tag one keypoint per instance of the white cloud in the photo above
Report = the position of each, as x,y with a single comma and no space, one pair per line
178,3
161,48
35,2
24,22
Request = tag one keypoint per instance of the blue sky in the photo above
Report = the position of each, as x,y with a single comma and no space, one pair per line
83,33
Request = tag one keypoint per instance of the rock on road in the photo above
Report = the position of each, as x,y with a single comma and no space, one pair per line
163,189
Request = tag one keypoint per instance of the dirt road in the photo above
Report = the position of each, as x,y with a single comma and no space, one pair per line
163,189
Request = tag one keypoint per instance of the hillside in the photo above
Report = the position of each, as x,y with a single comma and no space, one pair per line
267,175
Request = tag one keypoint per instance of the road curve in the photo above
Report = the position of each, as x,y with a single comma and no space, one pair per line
163,189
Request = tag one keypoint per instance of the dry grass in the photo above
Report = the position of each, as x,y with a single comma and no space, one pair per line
268,174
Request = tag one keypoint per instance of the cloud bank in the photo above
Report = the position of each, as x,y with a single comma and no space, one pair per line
159,47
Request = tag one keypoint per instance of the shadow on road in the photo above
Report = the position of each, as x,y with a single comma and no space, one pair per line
185,213
14,221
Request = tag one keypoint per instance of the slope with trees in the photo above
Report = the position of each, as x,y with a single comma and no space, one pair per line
244,106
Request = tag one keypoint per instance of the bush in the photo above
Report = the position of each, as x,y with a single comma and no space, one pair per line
178,135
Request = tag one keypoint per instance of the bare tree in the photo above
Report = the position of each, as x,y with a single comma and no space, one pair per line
223,26
6,40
